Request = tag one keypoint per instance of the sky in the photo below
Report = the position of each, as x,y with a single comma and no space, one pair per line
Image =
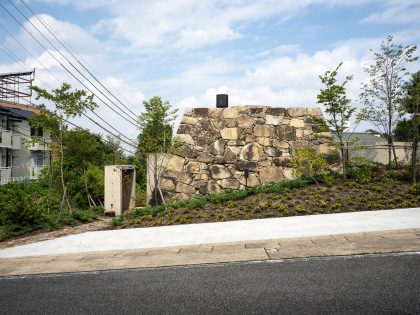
268,52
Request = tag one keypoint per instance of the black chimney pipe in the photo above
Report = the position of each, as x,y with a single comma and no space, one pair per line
222,100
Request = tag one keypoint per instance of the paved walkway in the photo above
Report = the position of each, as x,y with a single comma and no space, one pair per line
386,231
233,231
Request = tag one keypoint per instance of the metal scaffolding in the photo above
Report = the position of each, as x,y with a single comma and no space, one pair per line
16,87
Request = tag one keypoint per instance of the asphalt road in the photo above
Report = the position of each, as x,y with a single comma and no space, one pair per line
385,284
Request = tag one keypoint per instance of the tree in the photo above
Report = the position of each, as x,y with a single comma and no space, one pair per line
383,94
155,137
337,105
411,103
68,104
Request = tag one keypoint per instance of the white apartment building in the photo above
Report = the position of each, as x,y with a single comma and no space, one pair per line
21,158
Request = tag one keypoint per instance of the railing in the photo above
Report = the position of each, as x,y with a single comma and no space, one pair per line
9,139
5,175
39,145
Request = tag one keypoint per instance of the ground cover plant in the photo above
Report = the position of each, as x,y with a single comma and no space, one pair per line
369,187
31,206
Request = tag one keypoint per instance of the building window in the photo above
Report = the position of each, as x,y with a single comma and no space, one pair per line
37,160
37,132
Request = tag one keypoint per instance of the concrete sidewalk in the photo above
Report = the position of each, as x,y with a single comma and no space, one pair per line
222,232
385,231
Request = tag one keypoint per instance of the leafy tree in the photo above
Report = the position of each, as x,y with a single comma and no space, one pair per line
382,96
411,103
337,105
403,130
155,137
68,104
308,164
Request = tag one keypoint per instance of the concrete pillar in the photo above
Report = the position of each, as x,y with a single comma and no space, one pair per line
120,188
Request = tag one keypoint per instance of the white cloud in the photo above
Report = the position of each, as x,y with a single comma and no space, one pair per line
407,11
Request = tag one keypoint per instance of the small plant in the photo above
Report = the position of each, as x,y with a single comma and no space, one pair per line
180,220
415,189
300,208
307,163
220,217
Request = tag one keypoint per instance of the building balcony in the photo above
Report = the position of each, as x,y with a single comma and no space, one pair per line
5,138
9,139
5,175
39,145
35,172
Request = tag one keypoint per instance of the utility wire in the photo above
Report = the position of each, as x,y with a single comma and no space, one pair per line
55,58
130,143
66,47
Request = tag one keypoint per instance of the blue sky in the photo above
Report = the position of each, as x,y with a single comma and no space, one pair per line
259,52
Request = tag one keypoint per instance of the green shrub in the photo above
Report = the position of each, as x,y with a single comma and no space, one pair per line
361,169
84,215
415,189
307,163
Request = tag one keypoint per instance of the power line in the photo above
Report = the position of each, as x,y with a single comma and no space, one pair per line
55,58
65,45
130,143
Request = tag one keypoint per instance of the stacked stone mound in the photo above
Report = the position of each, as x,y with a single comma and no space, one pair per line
221,143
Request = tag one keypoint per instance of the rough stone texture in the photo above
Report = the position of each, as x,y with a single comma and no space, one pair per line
185,189
209,187
230,184
251,152
167,184
230,133
219,172
193,167
217,147
221,143
270,174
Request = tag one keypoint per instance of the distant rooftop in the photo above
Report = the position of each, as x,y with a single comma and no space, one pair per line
363,137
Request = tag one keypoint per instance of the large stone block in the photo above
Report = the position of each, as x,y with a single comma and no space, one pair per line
167,184
210,187
184,178
251,181
230,184
205,157
314,112
231,112
245,121
188,152
189,120
251,152
219,172
285,133
230,133
297,111
272,120
204,124
193,167
200,112
270,174
185,189
297,123
217,147
243,165
263,131
183,128
272,152
277,111
175,163
228,157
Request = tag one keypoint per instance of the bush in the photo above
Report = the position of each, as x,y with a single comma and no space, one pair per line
307,163
415,189
84,215
361,169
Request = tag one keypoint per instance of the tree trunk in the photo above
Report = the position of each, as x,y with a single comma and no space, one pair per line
343,159
395,155
414,144
389,151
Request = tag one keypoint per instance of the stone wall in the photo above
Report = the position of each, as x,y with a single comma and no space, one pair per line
220,143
